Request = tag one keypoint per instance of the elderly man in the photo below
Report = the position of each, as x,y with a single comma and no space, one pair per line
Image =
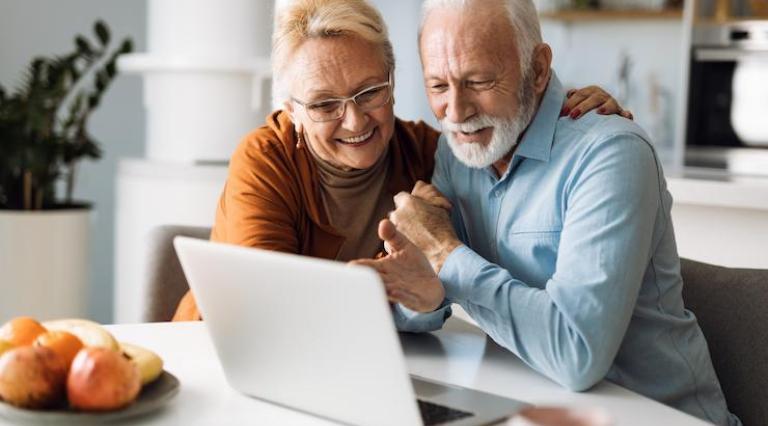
559,241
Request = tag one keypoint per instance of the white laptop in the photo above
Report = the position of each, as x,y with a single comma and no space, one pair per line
318,336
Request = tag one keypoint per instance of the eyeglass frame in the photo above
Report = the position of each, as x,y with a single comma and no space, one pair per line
388,83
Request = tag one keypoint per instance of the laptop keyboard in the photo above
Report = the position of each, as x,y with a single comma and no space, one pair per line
434,414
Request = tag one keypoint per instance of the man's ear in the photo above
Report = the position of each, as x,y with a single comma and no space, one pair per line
542,67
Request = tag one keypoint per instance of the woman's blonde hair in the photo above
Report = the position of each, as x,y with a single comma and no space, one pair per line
297,21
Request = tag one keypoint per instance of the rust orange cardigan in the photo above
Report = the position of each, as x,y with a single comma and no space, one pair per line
271,199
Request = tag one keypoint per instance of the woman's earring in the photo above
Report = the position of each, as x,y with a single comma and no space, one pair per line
299,140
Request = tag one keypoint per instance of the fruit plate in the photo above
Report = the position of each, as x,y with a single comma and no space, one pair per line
152,397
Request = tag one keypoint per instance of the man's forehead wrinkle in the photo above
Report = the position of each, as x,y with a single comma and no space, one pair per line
446,52
454,55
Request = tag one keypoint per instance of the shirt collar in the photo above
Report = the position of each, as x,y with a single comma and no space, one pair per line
538,138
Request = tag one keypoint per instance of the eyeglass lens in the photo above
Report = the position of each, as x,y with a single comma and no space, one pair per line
366,100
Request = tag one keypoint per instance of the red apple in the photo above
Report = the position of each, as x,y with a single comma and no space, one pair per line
101,379
32,377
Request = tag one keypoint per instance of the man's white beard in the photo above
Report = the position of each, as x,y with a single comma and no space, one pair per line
506,132
479,156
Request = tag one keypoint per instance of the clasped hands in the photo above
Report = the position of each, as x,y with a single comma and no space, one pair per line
419,236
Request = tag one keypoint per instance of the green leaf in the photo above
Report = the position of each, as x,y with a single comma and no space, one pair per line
102,32
126,46
43,122
102,80
92,149
93,101
73,71
83,46
111,68
35,70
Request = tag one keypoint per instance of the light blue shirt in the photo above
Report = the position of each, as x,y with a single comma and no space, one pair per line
570,261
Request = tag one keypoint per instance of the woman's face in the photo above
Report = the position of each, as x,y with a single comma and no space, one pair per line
337,67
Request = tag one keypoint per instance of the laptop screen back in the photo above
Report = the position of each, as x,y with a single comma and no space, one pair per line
311,334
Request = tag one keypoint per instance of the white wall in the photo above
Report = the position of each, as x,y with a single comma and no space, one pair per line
588,53
402,17
42,27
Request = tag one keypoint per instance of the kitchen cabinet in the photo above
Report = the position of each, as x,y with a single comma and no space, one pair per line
721,220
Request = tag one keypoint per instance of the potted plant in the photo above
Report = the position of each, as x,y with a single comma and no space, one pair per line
43,137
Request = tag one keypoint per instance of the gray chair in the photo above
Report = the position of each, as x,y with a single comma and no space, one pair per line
732,308
166,281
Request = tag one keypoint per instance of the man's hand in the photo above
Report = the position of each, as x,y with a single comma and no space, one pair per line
431,195
426,223
407,275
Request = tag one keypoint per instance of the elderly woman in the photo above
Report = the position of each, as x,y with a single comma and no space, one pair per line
318,177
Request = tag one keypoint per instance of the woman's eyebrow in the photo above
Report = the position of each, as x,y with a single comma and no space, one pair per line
368,82
320,94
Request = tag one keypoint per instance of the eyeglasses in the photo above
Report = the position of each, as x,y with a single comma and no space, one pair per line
331,109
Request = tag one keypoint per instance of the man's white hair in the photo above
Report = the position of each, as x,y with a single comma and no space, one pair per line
522,16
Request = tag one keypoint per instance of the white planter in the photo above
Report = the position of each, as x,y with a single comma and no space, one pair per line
206,76
44,263
199,110
179,195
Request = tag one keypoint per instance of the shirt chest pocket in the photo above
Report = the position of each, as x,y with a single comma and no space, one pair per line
533,219
540,242
534,238
535,229
531,251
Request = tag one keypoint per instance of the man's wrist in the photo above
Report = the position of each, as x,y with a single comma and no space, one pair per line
438,257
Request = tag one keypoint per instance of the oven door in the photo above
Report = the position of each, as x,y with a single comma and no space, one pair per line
727,126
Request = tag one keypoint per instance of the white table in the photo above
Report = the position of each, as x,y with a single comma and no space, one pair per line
459,354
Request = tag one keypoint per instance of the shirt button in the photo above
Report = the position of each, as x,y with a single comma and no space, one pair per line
497,193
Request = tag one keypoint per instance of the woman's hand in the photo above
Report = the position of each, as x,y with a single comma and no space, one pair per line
578,102
406,273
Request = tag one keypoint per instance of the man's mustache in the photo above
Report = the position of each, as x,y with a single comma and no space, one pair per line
474,124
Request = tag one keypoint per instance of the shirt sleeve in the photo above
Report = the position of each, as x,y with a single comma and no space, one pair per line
412,321
571,329
416,322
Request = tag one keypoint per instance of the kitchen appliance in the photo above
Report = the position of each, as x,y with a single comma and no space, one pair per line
727,116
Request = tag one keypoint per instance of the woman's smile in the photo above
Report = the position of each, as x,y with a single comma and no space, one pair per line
360,140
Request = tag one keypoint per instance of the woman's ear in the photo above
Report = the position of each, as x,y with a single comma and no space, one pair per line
288,107
299,129
393,87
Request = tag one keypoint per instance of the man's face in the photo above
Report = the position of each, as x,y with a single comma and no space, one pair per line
474,82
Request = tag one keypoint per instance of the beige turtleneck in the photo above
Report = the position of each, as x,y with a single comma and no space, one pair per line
355,201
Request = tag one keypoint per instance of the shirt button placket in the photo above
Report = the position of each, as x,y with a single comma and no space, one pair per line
496,196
